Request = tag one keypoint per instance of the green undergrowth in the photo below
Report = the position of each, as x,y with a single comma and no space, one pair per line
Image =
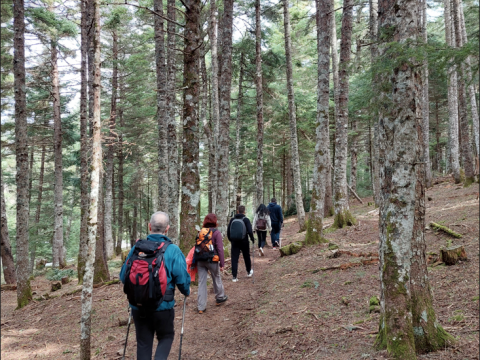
58,274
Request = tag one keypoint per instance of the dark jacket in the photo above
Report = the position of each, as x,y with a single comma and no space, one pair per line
248,225
218,245
276,214
175,266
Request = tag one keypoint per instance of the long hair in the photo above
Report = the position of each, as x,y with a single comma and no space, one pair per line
262,210
210,221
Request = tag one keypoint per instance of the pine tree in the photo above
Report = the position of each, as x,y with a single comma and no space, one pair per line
259,87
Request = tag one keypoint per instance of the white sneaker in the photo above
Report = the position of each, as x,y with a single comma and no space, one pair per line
261,252
250,273
235,280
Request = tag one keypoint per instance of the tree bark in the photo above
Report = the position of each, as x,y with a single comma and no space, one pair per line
322,146
464,130
162,114
297,181
259,86
83,243
238,122
96,166
8,264
109,242
58,258
173,167
452,98
224,122
30,172
343,217
190,154
24,294
100,273
407,320
215,115
121,195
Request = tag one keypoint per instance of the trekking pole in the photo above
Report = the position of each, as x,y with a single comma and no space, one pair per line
253,262
128,330
181,333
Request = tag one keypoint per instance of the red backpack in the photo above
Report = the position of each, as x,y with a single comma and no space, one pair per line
145,277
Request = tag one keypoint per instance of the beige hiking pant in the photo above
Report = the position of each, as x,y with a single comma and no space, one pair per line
203,267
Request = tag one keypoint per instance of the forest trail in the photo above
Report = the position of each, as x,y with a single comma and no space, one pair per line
294,310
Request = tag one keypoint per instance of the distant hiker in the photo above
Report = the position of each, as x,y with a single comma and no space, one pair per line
208,256
152,269
276,216
238,231
261,224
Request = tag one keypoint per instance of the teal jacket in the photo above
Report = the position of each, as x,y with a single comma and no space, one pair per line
175,266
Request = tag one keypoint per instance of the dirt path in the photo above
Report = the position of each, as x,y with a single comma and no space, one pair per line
294,310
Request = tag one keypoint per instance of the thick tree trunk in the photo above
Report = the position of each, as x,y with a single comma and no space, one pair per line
109,242
190,154
297,182
58,258
259,86
96,166
24,294
462,99
238,122
373,30
322,148
452,98
224,127
8,265
162,114
407,322
173,167
83,243
121,195
215,114
343,217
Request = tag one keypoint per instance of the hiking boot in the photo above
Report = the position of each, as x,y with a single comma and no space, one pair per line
250,274
201,311
222,300
261,252
235,280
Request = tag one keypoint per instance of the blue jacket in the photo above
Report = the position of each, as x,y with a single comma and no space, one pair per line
275,211
175,266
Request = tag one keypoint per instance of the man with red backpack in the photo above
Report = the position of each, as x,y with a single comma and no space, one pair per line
152,269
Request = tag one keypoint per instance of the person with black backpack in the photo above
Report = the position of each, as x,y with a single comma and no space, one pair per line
276,215
262,224
208,256
238,231
150,273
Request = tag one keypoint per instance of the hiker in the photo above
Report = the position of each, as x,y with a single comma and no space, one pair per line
209,257
276,217
238,231
261,224
157,319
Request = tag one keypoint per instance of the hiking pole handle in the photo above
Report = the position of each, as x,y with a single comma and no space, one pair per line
128,330
181,332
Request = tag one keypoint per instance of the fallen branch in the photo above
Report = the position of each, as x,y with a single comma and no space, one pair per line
350,265
353,192
445,229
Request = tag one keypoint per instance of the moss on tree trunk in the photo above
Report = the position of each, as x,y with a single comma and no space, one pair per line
344,218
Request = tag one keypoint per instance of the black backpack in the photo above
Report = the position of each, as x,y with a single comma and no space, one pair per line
238,230
146,277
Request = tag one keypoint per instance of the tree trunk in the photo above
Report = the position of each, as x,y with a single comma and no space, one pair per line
354,154
224,122
30,172
215,115
462,99
58,258
96,166
121,195
238,122
24,294
297,182
422,22
8,265
322,148
259,86
343,217
84,201
190,154
289,182
438,134
109,242
452,98
100,273
407,321
173,167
